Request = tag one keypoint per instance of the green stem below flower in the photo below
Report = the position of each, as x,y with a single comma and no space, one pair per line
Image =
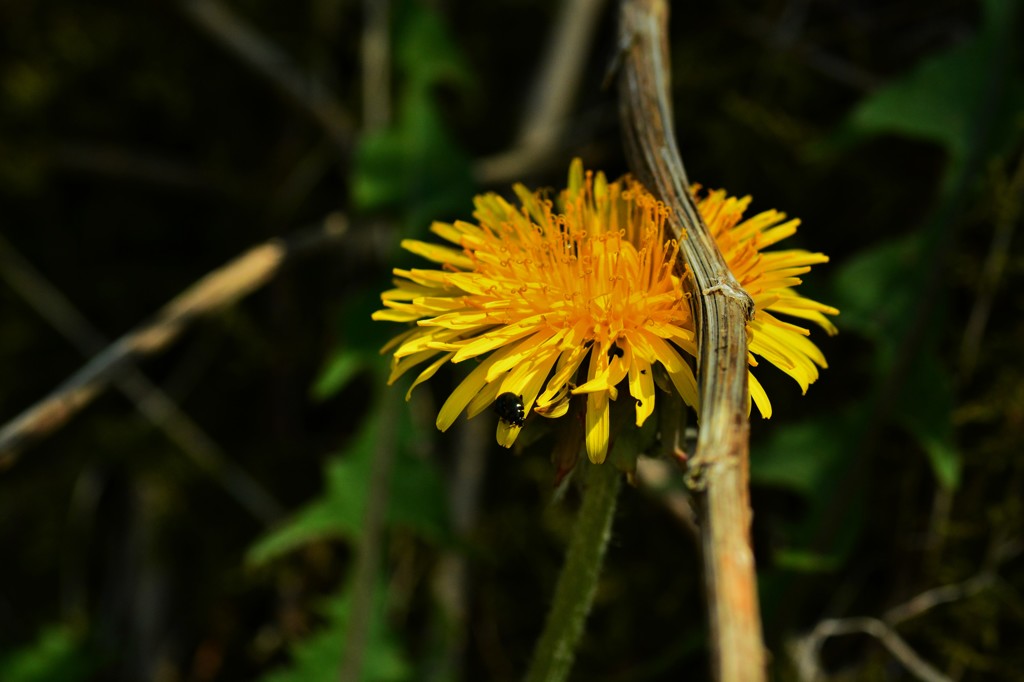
577,583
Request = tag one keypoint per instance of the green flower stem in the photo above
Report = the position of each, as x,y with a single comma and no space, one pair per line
574,593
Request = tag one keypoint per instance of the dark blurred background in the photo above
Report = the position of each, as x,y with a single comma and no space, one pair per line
274,509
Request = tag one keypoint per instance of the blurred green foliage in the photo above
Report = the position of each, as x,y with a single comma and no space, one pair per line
967,100
318,658
417,167
137,153
56,655
417,498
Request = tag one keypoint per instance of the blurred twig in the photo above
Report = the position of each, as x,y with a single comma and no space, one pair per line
654,477
367,567
220,288
451,576
376,83
720,468
265,58
376,63
782,35
152,402
806,649
136,165
1007,219
559,75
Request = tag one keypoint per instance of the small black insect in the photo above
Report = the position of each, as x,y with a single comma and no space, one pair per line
509,407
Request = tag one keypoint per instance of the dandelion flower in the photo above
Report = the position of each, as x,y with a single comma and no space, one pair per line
549,302
769,278
583,297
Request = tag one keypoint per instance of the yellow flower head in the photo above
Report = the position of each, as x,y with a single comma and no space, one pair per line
769,278
533,293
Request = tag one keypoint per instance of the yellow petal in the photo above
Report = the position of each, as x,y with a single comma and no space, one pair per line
641,387
544,338
597,427
396,315
430,371
400,366
686,385
483,399
464,392
500,336
597,421
757,393
507,433
438,253
528,378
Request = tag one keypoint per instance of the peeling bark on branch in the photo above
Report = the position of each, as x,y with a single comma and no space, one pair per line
720,470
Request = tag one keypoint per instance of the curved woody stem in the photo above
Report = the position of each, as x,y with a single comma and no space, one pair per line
720,470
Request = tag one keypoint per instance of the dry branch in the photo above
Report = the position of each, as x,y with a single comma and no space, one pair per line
560,73
542,135
719,471
220,288
158,407
805,650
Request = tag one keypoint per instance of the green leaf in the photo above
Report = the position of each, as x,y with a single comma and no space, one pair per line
337,373
969,95
338,513
417,166
925,410
813,459
801,457
804,561
876,290
877,293
426,51
57,654
319,658
417,499
933,102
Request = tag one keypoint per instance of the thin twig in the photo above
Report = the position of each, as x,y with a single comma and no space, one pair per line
376,63
545,119
1007,220
807,648
784,37
367,566
720,468
559,76
937,596
452,576
376,114
265,58
653,476
152,402
220,288
135,165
